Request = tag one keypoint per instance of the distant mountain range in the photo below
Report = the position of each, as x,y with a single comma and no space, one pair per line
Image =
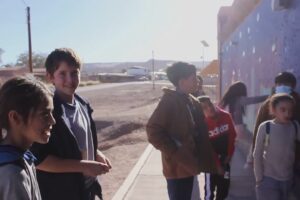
119,67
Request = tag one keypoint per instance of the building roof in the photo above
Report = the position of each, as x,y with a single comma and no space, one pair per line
211,69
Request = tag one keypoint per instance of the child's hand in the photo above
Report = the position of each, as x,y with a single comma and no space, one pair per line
93,168
100,157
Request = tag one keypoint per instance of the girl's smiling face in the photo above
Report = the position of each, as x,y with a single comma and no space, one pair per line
39,123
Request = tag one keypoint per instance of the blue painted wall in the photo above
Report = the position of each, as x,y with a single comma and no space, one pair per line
266,43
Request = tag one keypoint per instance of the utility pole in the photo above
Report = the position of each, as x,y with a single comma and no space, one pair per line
203,57
204,45
153,75
29,40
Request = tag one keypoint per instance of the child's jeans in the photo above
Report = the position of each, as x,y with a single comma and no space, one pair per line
273,189
181,188
296,187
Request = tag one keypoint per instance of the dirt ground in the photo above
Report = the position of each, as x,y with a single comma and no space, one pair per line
120,114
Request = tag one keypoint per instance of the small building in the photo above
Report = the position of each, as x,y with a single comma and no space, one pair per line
115,77
138,71
9,72
211,80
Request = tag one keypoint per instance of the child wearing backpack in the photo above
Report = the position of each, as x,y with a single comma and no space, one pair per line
274,152
26,114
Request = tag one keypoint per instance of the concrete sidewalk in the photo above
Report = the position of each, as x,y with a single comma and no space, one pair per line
146,182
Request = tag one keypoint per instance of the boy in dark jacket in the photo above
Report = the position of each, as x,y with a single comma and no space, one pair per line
222,137
69,164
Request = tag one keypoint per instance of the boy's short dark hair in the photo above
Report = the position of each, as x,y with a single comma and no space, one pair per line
286,78
22,94
57,56
204,99
180,70
280,97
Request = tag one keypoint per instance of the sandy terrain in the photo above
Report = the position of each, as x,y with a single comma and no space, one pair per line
120,114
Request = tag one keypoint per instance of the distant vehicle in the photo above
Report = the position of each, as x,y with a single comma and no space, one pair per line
143,78
160,75
115,77
138,71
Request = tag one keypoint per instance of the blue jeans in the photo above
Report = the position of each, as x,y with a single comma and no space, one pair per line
273,189
181,188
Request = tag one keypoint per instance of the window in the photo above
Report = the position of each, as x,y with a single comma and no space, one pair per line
280,4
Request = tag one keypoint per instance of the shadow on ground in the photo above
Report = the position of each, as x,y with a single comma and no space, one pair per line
118,133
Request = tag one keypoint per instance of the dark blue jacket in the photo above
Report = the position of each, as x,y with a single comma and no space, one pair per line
62,143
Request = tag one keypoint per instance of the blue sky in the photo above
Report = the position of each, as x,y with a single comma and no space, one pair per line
112,30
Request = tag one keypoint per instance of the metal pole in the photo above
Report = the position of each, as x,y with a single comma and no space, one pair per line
204,45
153,75
29,41
220,72
202,56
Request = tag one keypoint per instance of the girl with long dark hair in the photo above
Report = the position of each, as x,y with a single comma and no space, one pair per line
236,99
